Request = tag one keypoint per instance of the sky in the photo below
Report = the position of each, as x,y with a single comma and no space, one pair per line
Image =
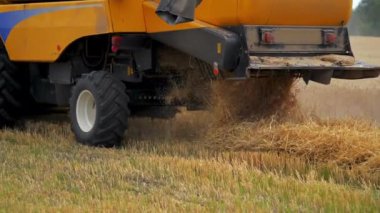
356,3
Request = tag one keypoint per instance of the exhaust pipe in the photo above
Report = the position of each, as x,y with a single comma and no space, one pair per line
177,11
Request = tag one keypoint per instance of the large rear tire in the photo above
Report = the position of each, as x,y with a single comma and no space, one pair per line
99,110
11,92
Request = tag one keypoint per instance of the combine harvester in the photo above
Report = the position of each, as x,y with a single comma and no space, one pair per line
103,57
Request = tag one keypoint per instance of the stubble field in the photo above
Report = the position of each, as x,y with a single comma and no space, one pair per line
323,155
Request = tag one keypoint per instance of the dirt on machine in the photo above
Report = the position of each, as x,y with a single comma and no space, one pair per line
109,60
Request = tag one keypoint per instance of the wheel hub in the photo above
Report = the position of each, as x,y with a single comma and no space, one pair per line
86,111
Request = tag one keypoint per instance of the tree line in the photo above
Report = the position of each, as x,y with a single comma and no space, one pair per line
366,19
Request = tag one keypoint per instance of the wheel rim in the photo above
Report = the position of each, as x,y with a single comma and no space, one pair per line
86,111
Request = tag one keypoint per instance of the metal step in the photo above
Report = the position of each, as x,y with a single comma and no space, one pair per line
315,68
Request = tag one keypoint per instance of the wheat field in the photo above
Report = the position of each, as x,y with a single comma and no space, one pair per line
322,156
359,99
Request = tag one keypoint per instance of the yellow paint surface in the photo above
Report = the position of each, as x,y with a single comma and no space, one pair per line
275,12
295,12
127,15
44,36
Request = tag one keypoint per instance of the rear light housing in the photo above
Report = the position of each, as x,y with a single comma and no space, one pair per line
329,37
267,37
116,43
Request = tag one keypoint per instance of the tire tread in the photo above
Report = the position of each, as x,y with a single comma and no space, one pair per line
113,110
11,92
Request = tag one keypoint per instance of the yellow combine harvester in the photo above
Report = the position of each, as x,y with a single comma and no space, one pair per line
103,57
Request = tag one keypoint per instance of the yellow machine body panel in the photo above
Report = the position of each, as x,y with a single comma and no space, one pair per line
127,15
40,32
275,12
295,12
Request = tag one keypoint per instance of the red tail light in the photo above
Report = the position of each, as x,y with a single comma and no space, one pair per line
116,42
330,38
267,37
216,71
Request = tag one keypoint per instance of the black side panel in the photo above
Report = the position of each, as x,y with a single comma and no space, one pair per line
60,73
208,44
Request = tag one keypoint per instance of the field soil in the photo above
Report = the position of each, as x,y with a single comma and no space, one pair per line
309,148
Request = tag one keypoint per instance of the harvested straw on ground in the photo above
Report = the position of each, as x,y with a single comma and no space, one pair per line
349,144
